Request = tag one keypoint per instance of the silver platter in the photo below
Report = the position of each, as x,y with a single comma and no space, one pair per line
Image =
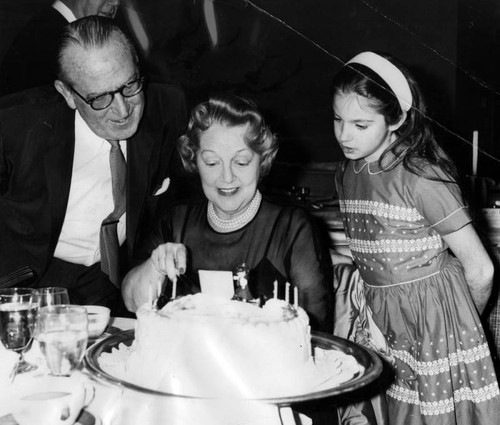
369,360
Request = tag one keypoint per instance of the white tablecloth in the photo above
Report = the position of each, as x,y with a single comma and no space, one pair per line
113,405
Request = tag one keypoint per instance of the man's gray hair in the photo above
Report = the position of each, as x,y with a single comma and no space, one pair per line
91,32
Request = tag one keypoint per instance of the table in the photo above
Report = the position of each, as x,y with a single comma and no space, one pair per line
122,323
89,416
112,405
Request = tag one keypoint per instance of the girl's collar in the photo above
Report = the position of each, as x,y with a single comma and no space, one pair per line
375,167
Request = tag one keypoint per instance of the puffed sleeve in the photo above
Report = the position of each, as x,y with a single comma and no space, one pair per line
441,202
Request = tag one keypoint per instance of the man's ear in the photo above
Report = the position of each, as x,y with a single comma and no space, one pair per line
66,93
395,127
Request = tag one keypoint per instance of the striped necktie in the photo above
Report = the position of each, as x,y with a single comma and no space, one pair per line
108,237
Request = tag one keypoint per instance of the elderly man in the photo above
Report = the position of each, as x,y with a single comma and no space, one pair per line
31,59
81,173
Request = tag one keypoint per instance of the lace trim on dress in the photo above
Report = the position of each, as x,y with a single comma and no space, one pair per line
395,245
435,367
447,405
379,209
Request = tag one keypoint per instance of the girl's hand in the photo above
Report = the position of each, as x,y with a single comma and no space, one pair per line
170,259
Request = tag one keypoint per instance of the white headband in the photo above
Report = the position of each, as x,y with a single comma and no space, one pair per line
390,74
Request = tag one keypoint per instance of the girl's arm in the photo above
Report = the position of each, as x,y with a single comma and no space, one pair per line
478,267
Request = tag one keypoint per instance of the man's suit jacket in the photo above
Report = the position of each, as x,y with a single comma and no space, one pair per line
36,158
31,59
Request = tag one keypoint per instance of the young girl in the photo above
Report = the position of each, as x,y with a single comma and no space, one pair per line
426,274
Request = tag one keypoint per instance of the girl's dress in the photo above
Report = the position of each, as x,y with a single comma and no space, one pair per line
418,295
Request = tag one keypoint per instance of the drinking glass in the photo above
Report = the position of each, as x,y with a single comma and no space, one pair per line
53,295
63,335
18,309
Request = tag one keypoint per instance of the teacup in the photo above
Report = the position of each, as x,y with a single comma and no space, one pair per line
53,401
98,317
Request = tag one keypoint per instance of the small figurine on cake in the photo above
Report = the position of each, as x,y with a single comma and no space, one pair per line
241,290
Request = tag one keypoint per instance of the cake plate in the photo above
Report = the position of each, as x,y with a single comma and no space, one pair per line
368,359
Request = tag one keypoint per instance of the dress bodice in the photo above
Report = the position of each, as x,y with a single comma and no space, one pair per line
395,221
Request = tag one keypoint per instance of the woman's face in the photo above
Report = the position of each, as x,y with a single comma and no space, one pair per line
361,131
229,169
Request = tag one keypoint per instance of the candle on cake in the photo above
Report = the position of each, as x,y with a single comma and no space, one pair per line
174,287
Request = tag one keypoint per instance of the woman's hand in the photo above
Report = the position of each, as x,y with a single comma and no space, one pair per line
169,259
141,283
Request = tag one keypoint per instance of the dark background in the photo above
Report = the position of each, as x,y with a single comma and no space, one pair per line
283,54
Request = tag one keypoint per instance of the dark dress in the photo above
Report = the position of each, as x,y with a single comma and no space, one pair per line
281,243
418,294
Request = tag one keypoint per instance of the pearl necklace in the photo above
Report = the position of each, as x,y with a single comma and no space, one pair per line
232,224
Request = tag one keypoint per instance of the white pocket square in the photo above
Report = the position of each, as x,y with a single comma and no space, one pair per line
163,188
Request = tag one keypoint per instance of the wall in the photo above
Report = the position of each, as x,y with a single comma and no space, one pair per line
283,54
478,83
289,74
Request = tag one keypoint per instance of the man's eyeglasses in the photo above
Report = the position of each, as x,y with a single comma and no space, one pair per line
102,101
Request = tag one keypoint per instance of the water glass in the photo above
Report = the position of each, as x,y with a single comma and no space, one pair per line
18,309
63,335
53,295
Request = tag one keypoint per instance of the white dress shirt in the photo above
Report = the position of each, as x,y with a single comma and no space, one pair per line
90,198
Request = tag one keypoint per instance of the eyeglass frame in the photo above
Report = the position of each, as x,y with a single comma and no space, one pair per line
89,102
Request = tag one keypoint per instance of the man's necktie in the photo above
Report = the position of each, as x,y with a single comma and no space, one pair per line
108,237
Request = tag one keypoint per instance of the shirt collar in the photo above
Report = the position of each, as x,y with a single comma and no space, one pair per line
92,140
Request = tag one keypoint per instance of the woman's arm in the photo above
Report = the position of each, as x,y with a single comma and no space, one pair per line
140,284
311,271
478,267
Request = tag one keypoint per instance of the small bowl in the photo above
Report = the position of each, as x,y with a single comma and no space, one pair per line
98,319
51,400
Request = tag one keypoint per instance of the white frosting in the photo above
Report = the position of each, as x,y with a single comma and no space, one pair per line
208,347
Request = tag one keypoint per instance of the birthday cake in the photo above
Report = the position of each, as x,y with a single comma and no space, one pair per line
209,347
204,346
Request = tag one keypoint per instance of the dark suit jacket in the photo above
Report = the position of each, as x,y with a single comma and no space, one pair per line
36,158
30,60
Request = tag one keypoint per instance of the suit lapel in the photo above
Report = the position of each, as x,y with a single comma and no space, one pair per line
58,162
139,150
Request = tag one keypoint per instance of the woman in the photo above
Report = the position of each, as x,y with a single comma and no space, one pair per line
235,228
